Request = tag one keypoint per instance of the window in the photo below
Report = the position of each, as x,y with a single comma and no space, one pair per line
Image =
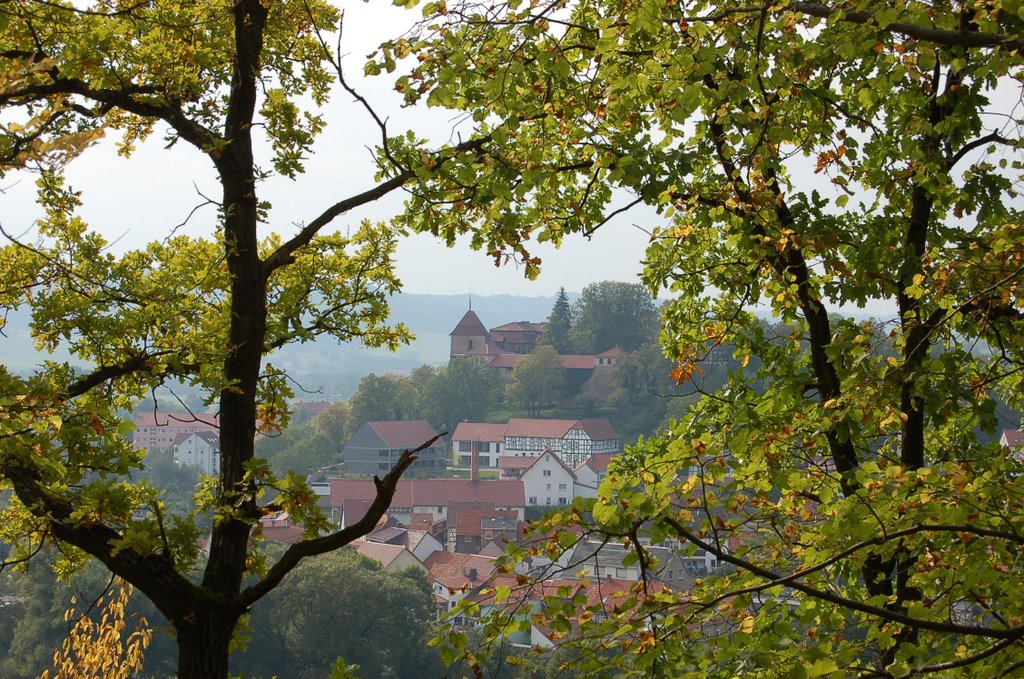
485,447
532,500
562,486
383,466
620,572
548,500
548,487
465,446
670,574
382,453
547,472
563,501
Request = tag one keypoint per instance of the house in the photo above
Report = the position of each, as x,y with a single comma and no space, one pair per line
604,560
425,496
471,527
548,481
590,473
454,576
516,338
572,440
156,431
422,544
391,557
199,449
277,527
1014,440
376,447
510,467
488,439
601,599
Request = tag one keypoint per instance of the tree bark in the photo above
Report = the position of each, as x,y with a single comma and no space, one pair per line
204,641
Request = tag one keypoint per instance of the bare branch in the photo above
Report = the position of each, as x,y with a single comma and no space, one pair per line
386,488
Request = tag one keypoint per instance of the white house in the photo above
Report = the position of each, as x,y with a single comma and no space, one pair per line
548,481
1014,440
199,449
572,440
590,473
489,439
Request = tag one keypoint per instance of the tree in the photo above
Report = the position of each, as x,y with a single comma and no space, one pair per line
613,314
240,83
801,156
335,422
307,624
464,390
538,380
383,397
557,332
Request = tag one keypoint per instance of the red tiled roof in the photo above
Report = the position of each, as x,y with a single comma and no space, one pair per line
521,426
390,534
283,535
478,431
577,362
598,462
355,509
192,420
599,429
433,492
611,353
380,552
404,433
470,325
422,521
453,570
1013,438
520,326
513,462
492,548
505,360
469,521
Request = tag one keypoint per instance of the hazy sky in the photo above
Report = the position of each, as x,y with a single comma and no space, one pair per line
141,199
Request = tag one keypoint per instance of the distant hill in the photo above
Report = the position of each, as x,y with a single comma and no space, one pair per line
334,369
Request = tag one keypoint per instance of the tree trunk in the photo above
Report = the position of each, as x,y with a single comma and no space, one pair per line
204,643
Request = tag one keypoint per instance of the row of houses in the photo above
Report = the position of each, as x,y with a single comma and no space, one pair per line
377,445
375,448
601,571
544,480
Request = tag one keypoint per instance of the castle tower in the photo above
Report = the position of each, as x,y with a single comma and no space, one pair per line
469,336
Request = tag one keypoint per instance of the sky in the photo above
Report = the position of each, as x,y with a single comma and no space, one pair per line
144,198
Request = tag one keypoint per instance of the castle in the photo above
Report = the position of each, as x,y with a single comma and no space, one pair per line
504,346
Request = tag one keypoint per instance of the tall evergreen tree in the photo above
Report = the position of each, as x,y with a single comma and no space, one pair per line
559,324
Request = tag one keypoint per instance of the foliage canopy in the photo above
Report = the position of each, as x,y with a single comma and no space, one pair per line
242,83
802,156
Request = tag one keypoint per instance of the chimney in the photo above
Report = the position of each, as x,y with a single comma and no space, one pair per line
474,461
